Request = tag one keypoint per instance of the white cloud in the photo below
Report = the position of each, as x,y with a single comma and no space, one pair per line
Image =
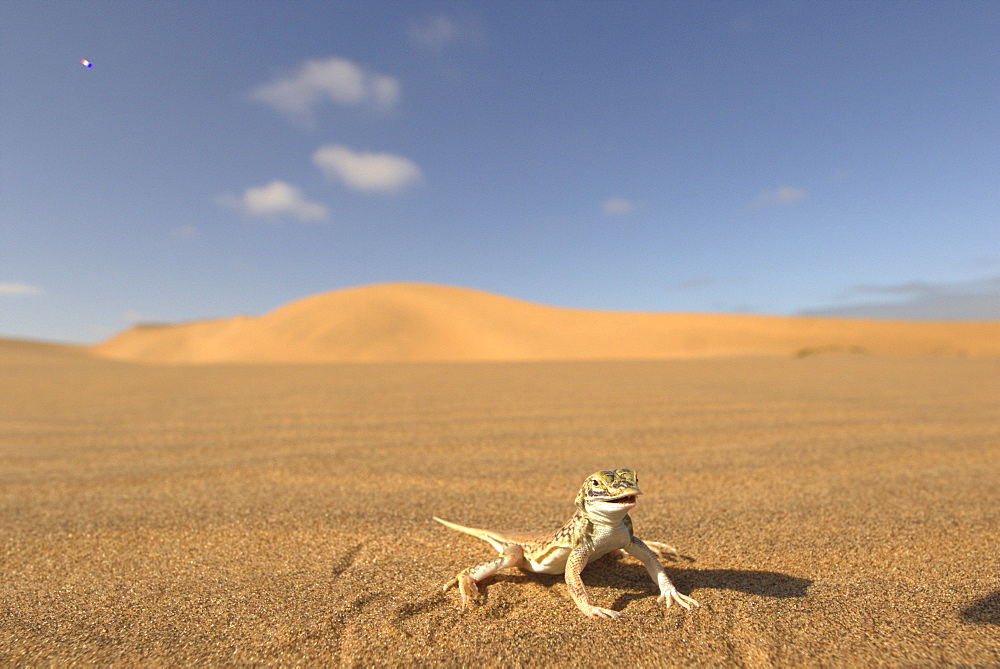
785,195
336,80
15,289
274,199
616,206
439,32
434,33
370,172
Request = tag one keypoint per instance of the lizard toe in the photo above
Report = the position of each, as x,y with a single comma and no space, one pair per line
467,586
685,601
598,612
669,598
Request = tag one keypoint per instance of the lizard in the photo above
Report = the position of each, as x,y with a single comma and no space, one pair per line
600,525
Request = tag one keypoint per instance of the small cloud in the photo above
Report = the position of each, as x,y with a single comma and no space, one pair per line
840,176
365,171
909,288
922,300
439,32
274,199
986,261
786,195
335,80
15,289
616,206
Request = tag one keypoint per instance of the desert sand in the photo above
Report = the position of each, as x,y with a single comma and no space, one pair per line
838,509
414,322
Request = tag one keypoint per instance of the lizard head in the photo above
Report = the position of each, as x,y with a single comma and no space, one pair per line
609,491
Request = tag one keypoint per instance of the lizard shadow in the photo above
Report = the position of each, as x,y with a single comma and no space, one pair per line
760,583
617,574
985,610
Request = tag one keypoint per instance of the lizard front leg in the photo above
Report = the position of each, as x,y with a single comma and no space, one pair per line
512,556
574,565
668,593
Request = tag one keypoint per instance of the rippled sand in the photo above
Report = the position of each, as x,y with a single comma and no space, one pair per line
841,509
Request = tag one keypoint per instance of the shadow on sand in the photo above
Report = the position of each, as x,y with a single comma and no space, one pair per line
763,583
985,611
687,580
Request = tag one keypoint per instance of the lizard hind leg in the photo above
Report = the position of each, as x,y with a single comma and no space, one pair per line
467,579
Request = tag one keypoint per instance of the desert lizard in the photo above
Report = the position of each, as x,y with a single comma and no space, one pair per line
600,525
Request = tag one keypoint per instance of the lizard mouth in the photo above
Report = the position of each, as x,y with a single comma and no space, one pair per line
626,499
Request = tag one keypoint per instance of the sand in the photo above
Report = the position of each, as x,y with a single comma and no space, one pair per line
840,509
416,322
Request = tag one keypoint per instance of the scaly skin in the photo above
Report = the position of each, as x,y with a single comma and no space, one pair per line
600,525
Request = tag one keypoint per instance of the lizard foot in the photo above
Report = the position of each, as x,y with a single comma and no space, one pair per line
673,596
598,612
466,587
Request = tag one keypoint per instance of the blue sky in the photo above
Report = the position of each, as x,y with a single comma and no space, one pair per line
762,157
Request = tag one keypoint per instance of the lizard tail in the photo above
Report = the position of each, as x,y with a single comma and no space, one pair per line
495,539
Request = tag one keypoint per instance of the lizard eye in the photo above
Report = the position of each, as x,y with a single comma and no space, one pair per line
595,482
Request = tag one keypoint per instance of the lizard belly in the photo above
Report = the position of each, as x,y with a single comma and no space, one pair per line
551,562
606,538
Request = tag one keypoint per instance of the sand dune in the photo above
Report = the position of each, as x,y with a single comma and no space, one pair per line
423,322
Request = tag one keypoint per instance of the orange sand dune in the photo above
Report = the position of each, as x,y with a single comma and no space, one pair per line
396,322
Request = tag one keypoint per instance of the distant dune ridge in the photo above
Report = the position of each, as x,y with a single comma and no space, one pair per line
396,322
